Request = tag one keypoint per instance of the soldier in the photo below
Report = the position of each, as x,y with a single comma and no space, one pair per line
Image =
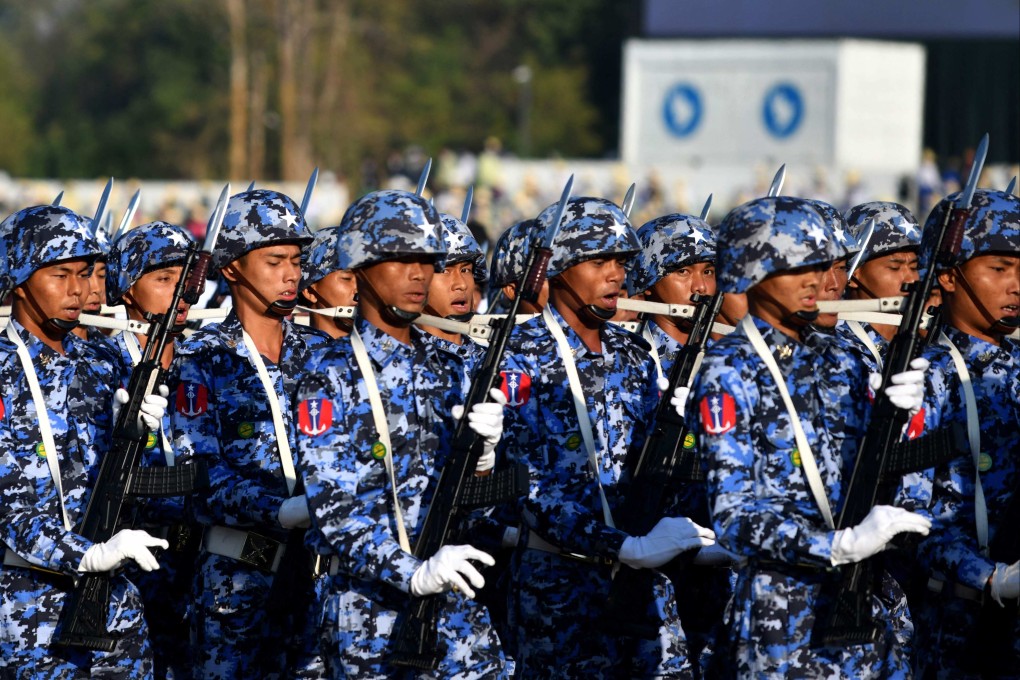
96,297
325,286
50,449
890,261
508,261
233,408
775,472
967,625
569,357
145,265
376,420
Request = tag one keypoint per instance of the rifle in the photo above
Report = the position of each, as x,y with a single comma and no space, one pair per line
652,475
881,460
415,643
82,622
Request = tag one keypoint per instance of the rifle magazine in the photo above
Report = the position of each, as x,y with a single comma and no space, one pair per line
82,622
180,480
925,452
496,489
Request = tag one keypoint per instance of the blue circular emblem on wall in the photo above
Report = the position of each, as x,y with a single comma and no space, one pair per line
681,110
783,110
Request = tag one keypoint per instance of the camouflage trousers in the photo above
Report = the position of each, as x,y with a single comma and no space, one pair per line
558,607
238,632
358,621
30,605
769,630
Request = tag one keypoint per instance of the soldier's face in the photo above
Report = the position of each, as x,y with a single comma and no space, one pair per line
885,275
154,291
336,289
56,291
452,291
402,283
781,295
833,284
592,282
267,275
677,286
97,288
980,292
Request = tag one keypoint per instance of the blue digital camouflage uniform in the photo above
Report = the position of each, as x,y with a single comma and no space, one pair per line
558,604
165,593
351,498
77,387
762,507
955,638
243,627
509,257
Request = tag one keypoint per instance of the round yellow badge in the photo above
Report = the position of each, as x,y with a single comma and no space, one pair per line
40,450
689,441
795,458
151,441
245,430
984,462
378,450
573,442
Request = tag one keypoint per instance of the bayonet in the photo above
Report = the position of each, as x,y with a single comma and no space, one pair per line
869,231
424,178
60,197
129,215
706,208
97,220
307,199
1011,186
251,187
777,182
628,201
466,212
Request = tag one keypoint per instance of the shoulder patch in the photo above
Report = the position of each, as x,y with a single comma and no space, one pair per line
718,413
315,416
516,387
192,399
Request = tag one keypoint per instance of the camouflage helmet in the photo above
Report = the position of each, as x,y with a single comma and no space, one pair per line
896,228
387,225
255,219
591,227
992,226
667,244
838,228
769,235
461,246
150,246
45,234
511,254
323,257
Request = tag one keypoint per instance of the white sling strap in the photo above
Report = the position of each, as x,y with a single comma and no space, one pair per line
857,329
282,441
581,407
45,429
382,428
807,458
135,352
647,335
974,439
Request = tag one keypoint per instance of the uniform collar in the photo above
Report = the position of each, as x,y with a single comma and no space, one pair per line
577,347
976,350
73,345
382,347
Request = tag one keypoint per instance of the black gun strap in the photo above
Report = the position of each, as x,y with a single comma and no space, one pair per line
925,452
495,489
180,480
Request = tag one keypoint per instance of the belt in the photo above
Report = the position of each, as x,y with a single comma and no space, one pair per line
322,565
957,590
261,552
536,542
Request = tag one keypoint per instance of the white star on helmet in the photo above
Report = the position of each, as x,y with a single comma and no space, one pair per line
289,218
697,236
619,229
817,234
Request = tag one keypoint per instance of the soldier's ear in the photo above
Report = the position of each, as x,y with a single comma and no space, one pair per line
947,280
230,272
510,291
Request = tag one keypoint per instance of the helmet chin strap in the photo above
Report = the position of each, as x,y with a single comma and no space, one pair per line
53,324
596,312
280,308
1004,325
344,324
395,314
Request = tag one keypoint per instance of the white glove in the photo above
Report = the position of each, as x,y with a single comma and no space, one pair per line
1006,582
127,544
293,513
448,568
150,412
662,384
906,389
486,419
667,539
717,556
679,399
871,536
